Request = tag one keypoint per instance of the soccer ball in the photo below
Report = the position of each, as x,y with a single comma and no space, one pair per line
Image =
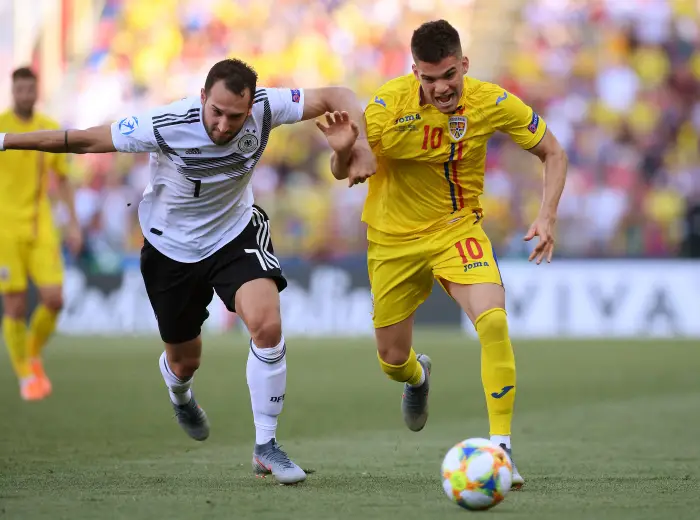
476,474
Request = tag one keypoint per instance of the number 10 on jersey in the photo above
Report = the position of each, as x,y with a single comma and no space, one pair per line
432,137
470,250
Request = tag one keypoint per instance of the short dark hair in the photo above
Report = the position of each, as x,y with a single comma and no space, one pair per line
23,73
434,41
236,75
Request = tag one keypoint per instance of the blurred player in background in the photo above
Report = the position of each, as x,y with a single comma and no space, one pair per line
205,235
429,131
29,241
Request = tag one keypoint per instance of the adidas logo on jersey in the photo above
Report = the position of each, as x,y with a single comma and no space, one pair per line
193,151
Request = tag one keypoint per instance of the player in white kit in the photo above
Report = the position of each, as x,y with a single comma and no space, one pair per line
203,234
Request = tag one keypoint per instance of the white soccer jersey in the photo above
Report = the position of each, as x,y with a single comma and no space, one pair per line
199,196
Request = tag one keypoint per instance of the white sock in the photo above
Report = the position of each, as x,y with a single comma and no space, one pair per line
179,389
501,439
26,380
267,380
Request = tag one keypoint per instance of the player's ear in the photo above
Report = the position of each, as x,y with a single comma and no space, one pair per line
465,64
203,96
250,107
415,71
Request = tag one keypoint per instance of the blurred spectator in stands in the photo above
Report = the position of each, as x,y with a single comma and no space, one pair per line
618,81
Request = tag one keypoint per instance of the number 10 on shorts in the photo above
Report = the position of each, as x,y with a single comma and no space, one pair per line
469,250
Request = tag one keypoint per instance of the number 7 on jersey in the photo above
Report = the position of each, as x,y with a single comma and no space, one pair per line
197,186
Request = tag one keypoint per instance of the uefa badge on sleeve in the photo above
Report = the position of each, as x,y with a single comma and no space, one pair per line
128,125
458,127
534,123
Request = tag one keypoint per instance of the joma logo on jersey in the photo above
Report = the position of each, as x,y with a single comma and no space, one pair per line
277,399
193,151
474,265
408,118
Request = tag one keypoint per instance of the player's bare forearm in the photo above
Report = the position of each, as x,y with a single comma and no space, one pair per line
339,164
353,158
97,139
318,101
555,167
345,99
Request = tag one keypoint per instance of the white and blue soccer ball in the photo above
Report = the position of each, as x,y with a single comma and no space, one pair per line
476,474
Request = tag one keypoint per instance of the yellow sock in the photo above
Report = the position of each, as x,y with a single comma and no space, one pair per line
410,372
14,332
497,369
41,326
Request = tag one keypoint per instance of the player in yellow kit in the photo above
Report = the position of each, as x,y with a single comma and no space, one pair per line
29,241
428,131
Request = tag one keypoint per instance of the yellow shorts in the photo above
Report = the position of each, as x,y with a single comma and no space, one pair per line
22,258
401,269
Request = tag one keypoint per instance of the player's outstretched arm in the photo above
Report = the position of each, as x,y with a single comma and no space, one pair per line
97,139
556,163
341,133
352,157
319,101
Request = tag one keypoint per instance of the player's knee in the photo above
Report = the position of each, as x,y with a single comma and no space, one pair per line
265,329
53,302
184,367
401,368
184,358
492,326
393,354
394,343
392,349
15,306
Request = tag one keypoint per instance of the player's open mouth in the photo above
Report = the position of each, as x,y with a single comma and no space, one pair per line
444,101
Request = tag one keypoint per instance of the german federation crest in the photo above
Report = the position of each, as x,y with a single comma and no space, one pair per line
458,127
248,143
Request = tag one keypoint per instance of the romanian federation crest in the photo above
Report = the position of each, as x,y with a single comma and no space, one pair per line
458,127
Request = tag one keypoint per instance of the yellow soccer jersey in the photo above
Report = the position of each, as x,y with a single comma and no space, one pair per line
24,203
430,165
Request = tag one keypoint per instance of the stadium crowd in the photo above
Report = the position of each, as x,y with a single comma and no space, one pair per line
617,81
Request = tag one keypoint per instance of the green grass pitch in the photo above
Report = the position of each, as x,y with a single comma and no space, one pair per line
603,430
